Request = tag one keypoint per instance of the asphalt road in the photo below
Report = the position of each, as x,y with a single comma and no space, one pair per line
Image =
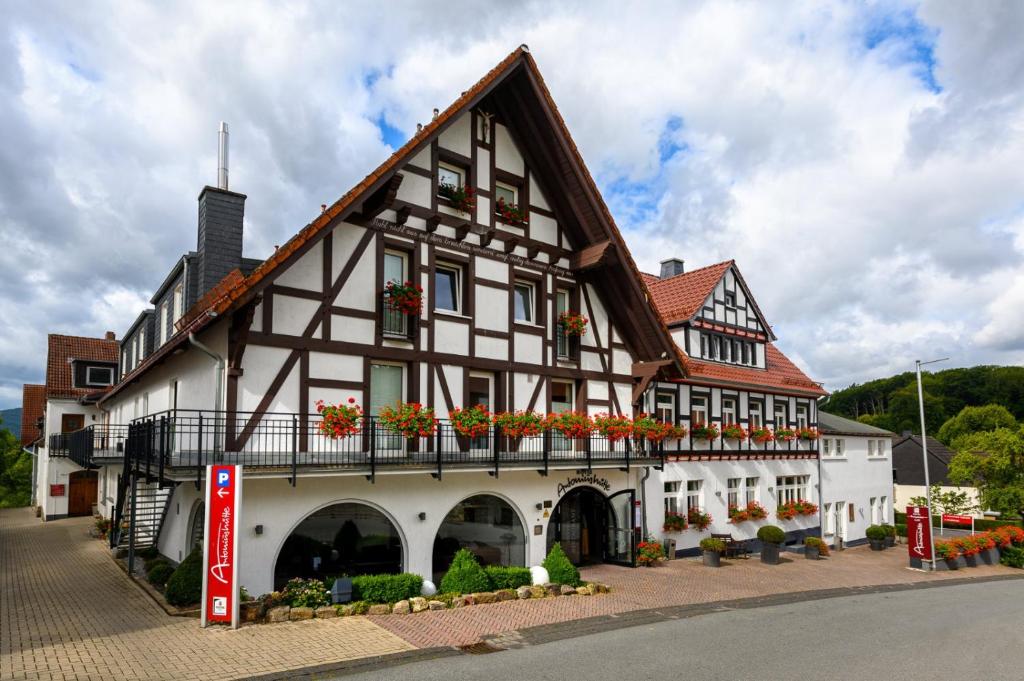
971,631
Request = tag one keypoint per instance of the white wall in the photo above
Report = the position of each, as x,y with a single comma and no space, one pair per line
855,478
904,493
56,471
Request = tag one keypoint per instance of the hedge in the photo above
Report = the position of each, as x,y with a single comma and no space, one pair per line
1013,556
159,573
386,588
185,586
465,576
980,524
508,577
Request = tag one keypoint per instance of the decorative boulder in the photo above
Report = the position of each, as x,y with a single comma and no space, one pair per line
300,614
461,601
346,610
523,592
428,588
278,614
553,589
583,590
484,597
379,609
419,604
436,605
325,612
538,591
568,590
505,594
539,575
402,608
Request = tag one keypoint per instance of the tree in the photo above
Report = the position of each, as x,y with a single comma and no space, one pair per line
15,472
993,461
953,502
975,420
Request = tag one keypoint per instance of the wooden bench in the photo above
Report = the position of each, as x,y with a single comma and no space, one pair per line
734,548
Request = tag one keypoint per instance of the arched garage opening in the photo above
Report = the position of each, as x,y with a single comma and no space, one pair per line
342,539
485,524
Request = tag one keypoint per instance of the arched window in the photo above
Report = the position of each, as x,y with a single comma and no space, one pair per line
197,526
486,525
343,539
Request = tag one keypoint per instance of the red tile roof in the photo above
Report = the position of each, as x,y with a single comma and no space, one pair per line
678,298
781,374
33,399
62,350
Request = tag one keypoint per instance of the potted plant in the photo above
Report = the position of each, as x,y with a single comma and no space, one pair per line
761,436
876,535
772,538
785,434
704,431
674,522
614,428
519,424
733,431
461,198
890,535
573,425
510,213
698,519
339,420
807,433
756,511
573,324
646,427
649,552
404,297
713,549
814,548
410,419
947,552
469,424
738,515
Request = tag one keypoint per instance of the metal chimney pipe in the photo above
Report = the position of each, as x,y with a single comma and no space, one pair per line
222,157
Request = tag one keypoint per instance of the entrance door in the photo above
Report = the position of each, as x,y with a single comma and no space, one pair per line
578,524
620,543
82,492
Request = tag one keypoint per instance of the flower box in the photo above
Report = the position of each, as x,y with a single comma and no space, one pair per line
461,199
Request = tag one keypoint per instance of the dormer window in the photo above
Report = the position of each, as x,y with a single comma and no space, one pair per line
99,376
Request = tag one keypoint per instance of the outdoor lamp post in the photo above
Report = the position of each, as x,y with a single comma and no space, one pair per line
924,448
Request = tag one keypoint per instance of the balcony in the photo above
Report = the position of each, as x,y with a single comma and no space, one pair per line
567,348
90,446
396,324
179,444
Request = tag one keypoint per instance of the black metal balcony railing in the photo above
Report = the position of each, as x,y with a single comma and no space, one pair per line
88,446
175,441
566,347
395,323
57,447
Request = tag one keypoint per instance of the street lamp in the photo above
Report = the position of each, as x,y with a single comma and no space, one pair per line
924,448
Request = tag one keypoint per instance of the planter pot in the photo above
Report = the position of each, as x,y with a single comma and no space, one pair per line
890,541
812,553
989,556
948,564
770,554
876,544
712,559
971,561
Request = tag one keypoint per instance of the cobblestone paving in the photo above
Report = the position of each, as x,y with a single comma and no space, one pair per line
68,612
678,582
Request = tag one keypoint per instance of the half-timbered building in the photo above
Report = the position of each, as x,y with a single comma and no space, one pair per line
488,209
749,412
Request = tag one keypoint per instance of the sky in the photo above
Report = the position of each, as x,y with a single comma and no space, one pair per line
861,162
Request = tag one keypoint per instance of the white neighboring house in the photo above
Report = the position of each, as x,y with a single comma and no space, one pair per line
856,478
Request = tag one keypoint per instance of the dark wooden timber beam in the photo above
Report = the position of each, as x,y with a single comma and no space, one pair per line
432,222
591,257
382,199
402,215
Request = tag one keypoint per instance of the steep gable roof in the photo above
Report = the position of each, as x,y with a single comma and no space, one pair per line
33,399
62,350
678,298
527,104
780,375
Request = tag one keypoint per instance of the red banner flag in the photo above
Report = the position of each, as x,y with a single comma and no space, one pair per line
919,532
220,546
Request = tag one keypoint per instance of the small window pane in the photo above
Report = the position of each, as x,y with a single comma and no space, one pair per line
524,302
448,175
505,193
446,290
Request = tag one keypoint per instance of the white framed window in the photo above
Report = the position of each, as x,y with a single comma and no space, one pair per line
135,352
704,342
873,502
672,488
450,174
876,448
698,409
694,495
730,299
164,312
751,488
562,396
179,302
142,343
801,416
839,442
507,193
755,413
871,448
665,407
780,415
826,446
726,350
733,494
396,266
448,288
387,386
830,521
791,488
525,297
716,347
99,376
728,410
883,509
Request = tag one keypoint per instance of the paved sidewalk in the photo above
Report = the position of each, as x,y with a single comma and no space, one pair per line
673,583
68,612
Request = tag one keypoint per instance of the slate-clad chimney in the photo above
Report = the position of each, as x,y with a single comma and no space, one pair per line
220,223
220,235
671,267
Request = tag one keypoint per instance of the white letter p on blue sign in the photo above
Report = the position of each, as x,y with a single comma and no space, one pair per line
223,479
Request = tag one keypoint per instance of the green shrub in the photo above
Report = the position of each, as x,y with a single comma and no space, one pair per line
771,534
185,586
560,568
153,562
980,524
890,530
508,577
148,553
159,573
901,530
386,588
712,544
816,543
1013,556
305,593
465,576
875,533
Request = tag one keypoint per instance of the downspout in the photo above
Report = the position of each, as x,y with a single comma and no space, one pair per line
219,370
32,496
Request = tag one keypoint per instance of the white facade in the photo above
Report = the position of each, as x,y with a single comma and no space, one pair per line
57,470
856,485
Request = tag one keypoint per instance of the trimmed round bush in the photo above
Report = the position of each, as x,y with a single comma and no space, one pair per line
386,588
508,577
876,533
159,573
712,544
465,576
771,534
185,585
560,568
901,529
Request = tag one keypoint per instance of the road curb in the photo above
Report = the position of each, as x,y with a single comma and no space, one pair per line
359,665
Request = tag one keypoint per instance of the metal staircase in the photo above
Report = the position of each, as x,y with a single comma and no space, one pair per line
142,526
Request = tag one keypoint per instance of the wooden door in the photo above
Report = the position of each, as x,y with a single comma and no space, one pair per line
82,492
71,422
